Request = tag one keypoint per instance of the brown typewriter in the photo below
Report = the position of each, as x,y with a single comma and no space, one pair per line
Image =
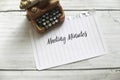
43,14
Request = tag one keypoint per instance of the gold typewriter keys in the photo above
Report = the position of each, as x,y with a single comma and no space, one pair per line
43,14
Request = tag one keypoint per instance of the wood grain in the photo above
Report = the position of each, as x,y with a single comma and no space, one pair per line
15,44
20,55
6,5
18,64
61,75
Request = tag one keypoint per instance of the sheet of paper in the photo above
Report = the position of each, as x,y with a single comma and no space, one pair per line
76,39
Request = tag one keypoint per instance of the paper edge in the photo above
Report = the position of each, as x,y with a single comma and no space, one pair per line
36,59
36,54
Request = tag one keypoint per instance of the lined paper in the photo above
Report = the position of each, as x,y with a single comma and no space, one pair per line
78,38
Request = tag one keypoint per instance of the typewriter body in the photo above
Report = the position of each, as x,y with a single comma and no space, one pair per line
43,14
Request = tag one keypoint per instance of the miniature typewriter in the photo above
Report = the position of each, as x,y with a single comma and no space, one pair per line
43,14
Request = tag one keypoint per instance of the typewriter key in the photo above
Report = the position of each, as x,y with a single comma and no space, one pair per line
43,14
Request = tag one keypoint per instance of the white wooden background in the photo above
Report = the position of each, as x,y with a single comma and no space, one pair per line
18,64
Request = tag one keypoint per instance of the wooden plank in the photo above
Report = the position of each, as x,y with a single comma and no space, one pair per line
68,4
14,30
15,43
61,75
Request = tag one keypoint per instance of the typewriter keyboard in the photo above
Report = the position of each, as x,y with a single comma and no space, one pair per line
49,19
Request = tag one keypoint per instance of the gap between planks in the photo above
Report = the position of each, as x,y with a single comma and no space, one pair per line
89,69
67,10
